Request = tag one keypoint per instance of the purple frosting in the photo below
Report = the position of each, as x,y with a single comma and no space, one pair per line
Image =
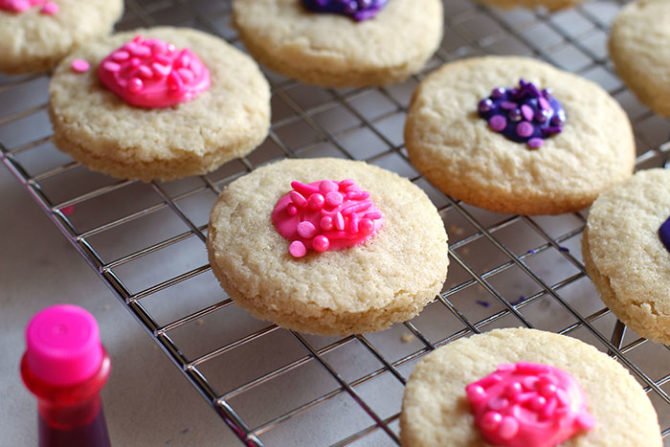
358,10
664,233
524,114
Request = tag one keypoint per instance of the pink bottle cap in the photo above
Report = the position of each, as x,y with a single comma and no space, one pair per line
63,345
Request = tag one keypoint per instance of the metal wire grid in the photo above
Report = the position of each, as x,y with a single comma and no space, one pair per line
273,386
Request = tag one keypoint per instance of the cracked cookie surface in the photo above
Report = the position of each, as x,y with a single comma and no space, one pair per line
625,257
387,279
100,130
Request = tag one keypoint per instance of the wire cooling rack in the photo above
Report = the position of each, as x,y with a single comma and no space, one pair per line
275,387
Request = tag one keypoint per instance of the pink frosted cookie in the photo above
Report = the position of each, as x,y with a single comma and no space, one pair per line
524,388
36,34
159,103
328,246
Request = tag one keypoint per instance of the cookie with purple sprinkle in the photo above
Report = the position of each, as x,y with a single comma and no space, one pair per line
516,135
341,43
626,250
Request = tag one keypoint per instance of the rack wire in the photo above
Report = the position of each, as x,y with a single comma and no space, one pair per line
274,387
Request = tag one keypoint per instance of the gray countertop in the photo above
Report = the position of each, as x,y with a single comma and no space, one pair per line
147,401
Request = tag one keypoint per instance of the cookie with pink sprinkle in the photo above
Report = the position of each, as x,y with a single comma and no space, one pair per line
36,34
525,388
328,246
160,103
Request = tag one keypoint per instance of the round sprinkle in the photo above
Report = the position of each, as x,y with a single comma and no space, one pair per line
316,201
297,249
497,123
492,420
366,226
327,186
485,105
50,9
321,243
326,223
524,129
498,93
509,427
80,66
515,115
292,210
334,198
306,229
535,143
508,105
135,85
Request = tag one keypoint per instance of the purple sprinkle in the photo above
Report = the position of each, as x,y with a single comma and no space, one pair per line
535,143
358,10
524,129
532,251
497,123
527,112
664,233
485,105
544,104
519,301
498,93
483,303
523,113
563,249
514,115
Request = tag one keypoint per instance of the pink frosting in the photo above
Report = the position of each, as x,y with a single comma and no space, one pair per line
19,5
325,215
528,405
150,73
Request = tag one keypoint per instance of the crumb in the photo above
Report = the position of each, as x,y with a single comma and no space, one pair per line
407,337
199,322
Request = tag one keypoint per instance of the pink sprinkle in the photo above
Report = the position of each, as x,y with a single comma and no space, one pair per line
306,230
297,249
120,56
80,66
326,223
298,199
339,221
111,66
327,186
509,427
321,243
67,211
302,216
334,198
135,85
528,404
50,9
141,73
303,188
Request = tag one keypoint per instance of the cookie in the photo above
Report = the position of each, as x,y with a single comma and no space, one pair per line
639,46
160,103
438,411
36,34
625,255
516,135
551,5
331,49
282,244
